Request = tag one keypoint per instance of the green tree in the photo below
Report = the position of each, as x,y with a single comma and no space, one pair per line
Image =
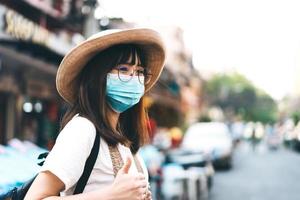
236,94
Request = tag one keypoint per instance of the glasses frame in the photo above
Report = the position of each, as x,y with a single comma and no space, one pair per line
147,75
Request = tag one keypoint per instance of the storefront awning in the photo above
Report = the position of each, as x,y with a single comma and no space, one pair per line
26,60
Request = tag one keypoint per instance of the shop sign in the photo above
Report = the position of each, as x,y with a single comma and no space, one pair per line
21,28
15,26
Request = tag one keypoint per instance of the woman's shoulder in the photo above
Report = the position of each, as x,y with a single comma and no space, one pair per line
79,126
82,121
73,145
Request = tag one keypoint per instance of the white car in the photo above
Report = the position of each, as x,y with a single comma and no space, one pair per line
213,138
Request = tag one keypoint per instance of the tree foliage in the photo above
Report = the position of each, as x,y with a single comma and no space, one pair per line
236,94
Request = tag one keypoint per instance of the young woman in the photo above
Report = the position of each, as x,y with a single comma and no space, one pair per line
103,80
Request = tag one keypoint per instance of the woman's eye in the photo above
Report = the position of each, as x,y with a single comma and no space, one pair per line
123,69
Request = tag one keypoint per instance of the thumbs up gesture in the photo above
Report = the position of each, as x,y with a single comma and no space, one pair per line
129,186
126,167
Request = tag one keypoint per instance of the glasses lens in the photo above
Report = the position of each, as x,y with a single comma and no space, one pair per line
124,73
140,73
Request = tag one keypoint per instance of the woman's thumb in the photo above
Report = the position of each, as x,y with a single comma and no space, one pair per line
126,166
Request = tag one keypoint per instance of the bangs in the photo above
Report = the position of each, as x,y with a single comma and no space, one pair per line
129,54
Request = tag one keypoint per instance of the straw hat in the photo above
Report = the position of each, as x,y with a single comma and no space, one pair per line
147,39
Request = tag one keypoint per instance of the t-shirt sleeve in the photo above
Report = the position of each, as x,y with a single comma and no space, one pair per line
71,150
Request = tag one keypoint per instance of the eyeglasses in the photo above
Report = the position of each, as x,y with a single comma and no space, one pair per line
143,74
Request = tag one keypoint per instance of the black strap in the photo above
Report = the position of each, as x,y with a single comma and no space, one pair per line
89,165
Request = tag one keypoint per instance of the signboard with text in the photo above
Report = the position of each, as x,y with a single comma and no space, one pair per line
15,26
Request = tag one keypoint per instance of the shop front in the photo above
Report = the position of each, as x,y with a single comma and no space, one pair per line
165,108
30,106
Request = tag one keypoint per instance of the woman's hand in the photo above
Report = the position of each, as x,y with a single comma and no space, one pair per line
129,186
148,195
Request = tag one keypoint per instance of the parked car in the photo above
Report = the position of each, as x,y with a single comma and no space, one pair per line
213,138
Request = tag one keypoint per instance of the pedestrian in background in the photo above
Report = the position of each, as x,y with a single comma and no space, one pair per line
103,80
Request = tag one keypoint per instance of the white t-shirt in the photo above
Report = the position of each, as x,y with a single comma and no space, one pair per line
71,150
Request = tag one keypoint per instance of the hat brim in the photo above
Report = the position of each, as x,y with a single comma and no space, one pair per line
147,39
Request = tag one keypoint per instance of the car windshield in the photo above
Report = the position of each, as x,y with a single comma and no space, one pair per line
208,131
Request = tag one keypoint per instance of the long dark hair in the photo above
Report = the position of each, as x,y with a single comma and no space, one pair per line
91,101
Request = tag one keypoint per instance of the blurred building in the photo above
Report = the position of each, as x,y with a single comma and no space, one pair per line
34,37
179,62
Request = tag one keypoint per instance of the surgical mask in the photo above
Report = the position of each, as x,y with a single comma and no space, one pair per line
123,95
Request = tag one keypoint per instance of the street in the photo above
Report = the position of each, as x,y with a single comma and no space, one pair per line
259,175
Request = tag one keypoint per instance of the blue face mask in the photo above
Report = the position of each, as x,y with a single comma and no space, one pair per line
123,95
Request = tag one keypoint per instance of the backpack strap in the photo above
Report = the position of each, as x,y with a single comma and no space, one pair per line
89,165
116,159
118,162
